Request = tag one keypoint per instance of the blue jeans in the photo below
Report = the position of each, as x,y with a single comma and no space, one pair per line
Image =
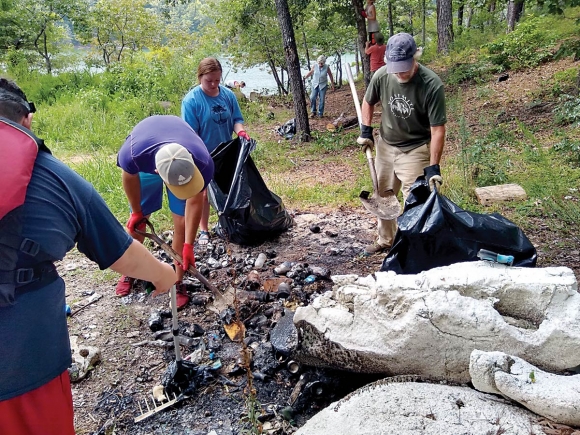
321,93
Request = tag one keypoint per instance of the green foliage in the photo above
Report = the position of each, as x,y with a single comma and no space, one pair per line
569,47
477,72
565,82
570,149
527,46
568,110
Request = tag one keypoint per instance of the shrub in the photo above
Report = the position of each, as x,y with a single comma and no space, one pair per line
568,110
527,46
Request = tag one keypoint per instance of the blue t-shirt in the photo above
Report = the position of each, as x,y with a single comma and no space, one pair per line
61,209
138,152
213,118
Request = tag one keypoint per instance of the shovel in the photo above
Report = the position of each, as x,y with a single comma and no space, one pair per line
171,252
384,207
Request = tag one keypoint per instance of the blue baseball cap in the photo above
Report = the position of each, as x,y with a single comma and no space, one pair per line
400,51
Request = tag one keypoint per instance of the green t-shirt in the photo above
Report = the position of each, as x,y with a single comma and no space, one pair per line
409,109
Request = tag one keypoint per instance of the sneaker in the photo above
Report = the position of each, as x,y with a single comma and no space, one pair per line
182,297
375,248
313,115
124,286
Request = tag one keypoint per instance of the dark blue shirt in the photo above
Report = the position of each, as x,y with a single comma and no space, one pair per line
61,210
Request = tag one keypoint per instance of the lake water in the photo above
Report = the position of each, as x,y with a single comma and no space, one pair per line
259,79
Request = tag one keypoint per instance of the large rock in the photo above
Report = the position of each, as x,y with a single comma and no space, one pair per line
428,324
550,395
412,408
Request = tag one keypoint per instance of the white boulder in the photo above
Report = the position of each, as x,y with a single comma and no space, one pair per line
412,408
547,394
428,324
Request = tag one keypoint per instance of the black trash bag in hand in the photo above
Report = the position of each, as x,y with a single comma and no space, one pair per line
248,212
434,232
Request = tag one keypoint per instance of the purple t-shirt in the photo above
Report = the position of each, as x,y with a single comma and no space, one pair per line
138,152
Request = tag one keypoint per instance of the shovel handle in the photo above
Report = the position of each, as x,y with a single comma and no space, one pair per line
353,92
372,169
171,252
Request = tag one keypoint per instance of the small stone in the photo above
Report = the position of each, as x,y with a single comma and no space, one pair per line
314,228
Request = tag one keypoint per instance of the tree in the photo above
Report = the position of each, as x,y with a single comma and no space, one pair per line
444,25
515,9
39,25
250,35
362,38
118,26
293,66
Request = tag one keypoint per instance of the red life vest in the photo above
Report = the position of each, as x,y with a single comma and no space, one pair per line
23,264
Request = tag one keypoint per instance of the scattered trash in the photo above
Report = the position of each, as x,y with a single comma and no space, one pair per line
288,129
260,261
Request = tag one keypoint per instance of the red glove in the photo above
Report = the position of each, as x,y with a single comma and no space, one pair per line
135,218
363,13
187,256
242,133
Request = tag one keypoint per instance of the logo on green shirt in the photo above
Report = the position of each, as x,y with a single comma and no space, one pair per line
401,107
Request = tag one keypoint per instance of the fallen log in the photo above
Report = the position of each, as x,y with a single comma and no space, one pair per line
500,193
342,122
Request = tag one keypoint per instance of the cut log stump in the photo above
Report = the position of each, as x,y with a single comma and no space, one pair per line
503,192
342,121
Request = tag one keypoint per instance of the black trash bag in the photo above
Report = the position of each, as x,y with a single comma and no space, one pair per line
248,212
288,130
434,232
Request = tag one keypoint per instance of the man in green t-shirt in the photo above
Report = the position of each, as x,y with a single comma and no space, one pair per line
412,133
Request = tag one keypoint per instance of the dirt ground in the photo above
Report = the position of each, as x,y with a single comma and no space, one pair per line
109,398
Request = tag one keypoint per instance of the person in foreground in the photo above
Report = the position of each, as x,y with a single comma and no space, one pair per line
319,71
59,210
164,150
213,112
412,132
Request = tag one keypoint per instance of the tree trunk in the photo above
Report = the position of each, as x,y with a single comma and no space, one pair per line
279,83
515,9
460,10
338,74
356,60
469,17
390,16
306,49
293,65
444,25
43,51
362,37
424,25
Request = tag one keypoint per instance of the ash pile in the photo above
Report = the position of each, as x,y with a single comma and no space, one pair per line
244,376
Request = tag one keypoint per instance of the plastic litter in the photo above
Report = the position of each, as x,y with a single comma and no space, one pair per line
434,232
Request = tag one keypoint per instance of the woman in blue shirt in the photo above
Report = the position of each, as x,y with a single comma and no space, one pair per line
213,112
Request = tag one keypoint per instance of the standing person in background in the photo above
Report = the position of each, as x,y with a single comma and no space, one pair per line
164,150
60,210
214,113
412,133
320,70
376,52
370,13
234,84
